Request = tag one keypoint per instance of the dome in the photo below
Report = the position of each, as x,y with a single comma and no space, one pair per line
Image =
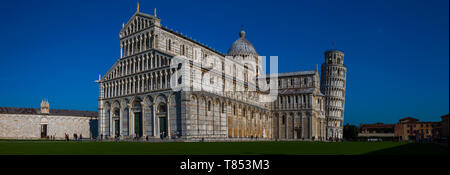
241,46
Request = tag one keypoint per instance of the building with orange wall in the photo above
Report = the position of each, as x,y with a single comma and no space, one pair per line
411,129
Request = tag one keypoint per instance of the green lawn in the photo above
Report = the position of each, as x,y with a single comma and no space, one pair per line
216,148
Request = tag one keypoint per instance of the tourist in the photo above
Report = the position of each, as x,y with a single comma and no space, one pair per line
66,136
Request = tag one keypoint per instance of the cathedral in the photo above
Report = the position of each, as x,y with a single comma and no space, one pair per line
166,85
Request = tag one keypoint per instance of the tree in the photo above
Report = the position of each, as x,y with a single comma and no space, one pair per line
350,132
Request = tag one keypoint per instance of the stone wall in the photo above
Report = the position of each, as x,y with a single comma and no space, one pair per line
27,126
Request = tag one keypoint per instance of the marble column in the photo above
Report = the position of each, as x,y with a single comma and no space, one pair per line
143,106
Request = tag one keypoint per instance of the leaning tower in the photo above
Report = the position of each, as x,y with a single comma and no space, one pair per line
332,84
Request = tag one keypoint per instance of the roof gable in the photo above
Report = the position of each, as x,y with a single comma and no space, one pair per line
139,20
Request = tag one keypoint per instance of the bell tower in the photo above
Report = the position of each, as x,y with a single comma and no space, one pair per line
333,80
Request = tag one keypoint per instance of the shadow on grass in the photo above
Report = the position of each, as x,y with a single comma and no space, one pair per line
413,149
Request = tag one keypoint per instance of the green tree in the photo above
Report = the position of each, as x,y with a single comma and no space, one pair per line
350,132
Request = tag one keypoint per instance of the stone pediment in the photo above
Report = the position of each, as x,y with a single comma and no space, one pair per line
138,22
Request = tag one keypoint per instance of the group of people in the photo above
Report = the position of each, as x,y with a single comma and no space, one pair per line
75,137
136,137
50,137
173,135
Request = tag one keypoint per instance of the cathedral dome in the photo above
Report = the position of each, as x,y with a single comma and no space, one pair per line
241,46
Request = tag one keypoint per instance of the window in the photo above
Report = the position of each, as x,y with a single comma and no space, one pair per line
223,67
209,105
284,119
180,80
223,107
162,108
182,49
169,45
245,74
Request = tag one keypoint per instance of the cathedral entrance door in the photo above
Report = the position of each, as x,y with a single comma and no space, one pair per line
299,132
116,127
163,126
44,131
138,124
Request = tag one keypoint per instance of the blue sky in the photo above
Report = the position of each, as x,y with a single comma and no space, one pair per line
397,52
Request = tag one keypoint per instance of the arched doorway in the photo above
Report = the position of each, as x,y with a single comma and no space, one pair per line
107,124
137,111
125,121
162,119
284,127
44,123
116,119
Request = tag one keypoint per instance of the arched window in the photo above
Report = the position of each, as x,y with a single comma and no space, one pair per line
162,108
147,42
283,119
209,105
223,107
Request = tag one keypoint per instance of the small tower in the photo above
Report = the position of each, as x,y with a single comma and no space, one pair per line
45,107
333,80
